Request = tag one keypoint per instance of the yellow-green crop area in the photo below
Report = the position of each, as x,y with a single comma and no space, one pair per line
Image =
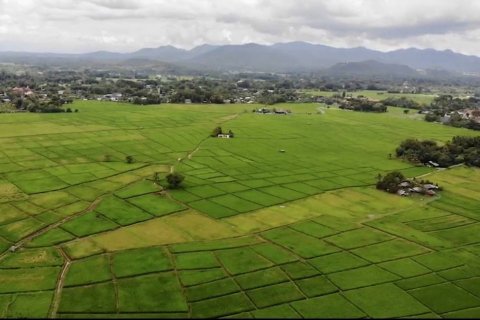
422,98
280,221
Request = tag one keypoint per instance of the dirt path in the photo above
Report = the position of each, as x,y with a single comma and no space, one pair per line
29,238
60,282
191,153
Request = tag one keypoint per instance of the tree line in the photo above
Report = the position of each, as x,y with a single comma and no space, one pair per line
459,150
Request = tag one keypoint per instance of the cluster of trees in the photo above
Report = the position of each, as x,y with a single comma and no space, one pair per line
448,105
390,182
33,103
459,150
401,102
174,179
362,104
218,130
270,97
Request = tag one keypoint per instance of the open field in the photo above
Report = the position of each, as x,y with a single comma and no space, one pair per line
422,98
254,232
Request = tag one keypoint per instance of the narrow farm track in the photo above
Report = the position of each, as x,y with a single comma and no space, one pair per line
197,148
60,282
29,238
81,183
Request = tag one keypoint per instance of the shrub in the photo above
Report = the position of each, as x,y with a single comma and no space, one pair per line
390,182
174,180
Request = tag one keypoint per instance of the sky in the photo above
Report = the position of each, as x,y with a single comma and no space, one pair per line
76,26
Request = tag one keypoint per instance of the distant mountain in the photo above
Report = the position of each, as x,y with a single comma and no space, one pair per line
434,59
247,57
166,54
371,68
321,56
281,57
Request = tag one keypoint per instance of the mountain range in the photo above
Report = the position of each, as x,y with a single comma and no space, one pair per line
280,58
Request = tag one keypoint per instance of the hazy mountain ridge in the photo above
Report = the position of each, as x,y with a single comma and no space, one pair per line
281,57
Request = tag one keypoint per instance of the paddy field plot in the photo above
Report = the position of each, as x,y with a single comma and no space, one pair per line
253,232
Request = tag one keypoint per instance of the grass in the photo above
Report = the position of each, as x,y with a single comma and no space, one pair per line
361,277
385,301
445,297
331,306
50,238
121,212
261,278
196,260
194,277
156,205
137,189
151,293
253,232
29,279
299,270
222,306
140,261
316,286
358,238
80,272
301,244
389,250
338,262
282,311
275,294
38,305
28,258
98,298
313,229
274,253
405,268
88,224
212,289
242,260
420,281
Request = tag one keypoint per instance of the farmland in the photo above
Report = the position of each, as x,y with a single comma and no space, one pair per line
253,232
421,98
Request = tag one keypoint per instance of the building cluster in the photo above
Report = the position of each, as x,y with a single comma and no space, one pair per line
465,114
408,187
272,111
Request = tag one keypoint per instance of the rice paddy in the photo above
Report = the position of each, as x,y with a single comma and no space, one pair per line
253,233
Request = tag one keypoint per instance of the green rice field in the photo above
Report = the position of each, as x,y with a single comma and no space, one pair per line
253,232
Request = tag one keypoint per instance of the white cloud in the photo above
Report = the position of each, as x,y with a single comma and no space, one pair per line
127,25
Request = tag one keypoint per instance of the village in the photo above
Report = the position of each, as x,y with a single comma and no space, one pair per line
409,187
396,183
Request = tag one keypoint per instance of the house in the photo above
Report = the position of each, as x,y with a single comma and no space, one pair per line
417,189
429,186
188,101
433,164
404,184
112,97
280,111
224,135
264,110
430,193
20,91
446,119
402,193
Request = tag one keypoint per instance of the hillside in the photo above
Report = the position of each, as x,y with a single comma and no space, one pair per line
281,57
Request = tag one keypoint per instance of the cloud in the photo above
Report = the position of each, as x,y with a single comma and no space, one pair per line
127,25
